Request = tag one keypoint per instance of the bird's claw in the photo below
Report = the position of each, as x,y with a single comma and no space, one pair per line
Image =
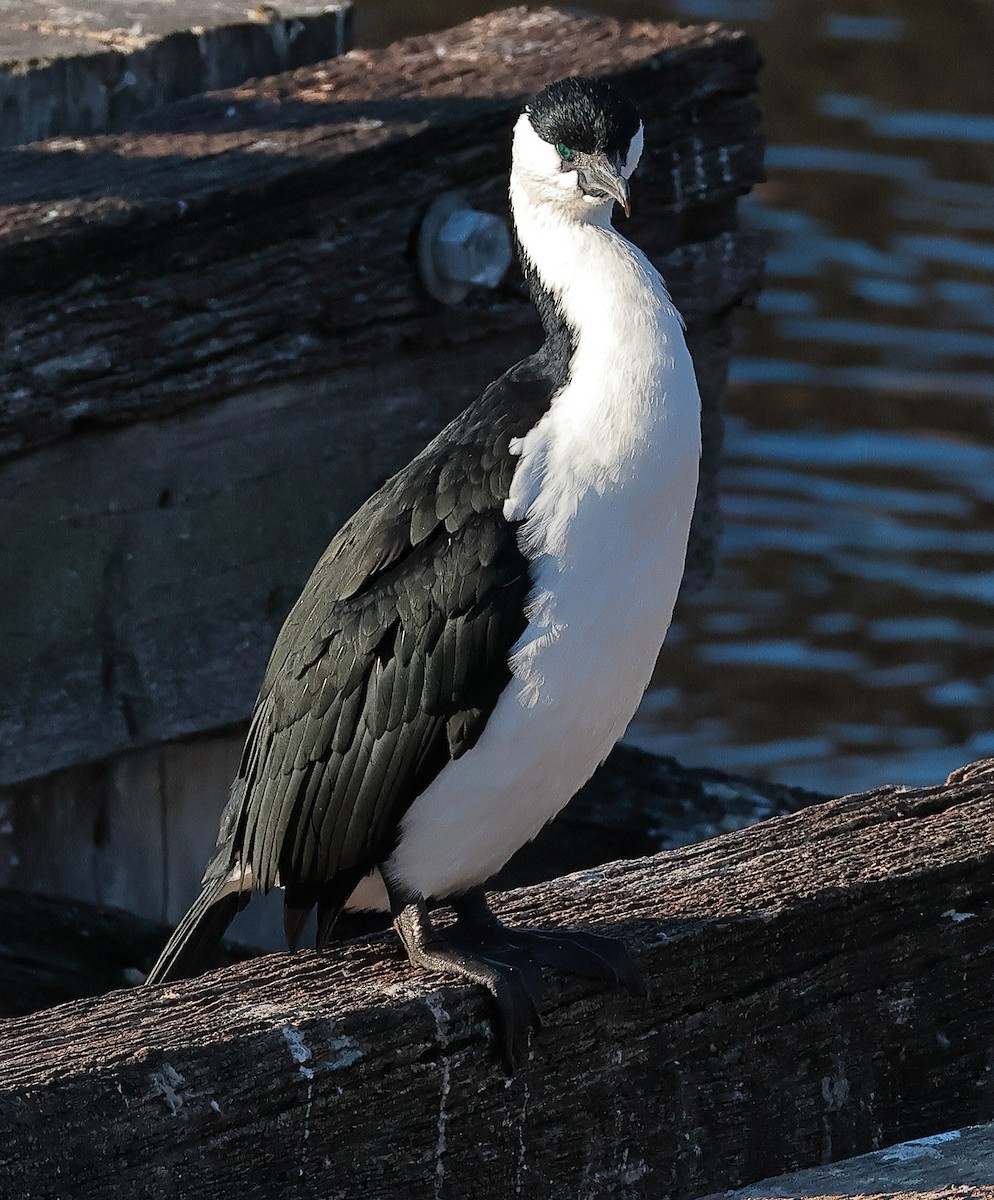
508,962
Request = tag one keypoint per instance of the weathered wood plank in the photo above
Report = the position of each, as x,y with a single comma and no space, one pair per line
86,93
307,188
954,1164
820,986
371,136
215,345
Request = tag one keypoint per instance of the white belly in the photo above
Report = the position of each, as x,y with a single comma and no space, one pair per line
581,669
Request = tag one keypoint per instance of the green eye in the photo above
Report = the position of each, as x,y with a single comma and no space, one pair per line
565,153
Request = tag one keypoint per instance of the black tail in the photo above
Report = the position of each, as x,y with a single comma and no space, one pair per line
196,937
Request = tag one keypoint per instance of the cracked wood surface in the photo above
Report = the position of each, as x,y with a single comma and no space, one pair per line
214,346
820,987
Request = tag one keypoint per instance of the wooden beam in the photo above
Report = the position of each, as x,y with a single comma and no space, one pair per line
215,344
53,949
176,237
820,986
949,1164
86,93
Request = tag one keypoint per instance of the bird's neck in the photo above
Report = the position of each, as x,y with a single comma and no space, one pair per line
624,419
594,290
606,312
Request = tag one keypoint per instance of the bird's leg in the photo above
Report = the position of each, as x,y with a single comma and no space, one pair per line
430,949
576,952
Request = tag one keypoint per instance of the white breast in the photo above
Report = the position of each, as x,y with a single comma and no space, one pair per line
606,488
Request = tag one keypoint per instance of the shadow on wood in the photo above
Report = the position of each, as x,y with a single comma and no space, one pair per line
820,986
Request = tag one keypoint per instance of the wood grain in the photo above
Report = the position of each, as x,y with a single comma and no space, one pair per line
820,986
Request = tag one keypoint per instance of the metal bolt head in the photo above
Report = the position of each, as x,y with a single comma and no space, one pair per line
460,248
473,247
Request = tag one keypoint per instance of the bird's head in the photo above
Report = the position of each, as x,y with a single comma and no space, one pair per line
575,147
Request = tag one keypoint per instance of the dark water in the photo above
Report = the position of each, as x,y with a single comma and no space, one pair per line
848,639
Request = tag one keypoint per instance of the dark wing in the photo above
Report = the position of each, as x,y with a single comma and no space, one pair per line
390,663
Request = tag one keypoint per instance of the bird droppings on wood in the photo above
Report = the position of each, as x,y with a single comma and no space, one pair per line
953,915
919,1148
519,1122
166,1083
300,1052
441,1018
344,1052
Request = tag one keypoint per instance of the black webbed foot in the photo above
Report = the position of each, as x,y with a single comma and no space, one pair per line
508,961
575,952
511,986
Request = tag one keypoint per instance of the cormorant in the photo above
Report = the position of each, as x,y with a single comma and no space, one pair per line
477,636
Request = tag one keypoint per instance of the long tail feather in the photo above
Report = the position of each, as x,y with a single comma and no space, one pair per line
196,937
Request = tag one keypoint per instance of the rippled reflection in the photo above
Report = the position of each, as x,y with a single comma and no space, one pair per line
848,640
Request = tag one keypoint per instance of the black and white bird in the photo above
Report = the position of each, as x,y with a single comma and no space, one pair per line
477,637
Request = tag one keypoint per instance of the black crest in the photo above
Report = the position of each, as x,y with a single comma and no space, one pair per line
586,115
